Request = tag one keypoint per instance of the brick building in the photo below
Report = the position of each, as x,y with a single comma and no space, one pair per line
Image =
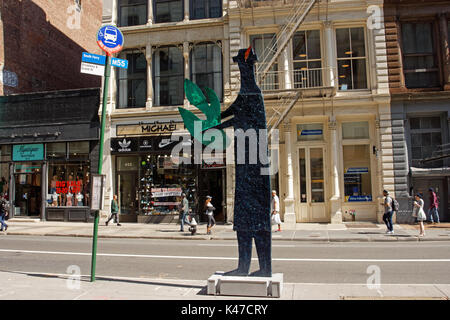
41,43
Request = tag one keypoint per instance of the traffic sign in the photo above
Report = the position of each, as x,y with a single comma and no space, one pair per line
110,39
93,58
121,63
92,68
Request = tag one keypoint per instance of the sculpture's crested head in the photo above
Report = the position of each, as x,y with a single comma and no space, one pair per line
246,56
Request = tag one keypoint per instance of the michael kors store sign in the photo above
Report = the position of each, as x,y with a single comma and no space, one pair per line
149,129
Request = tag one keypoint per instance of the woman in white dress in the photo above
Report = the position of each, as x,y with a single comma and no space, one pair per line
275,209
419,213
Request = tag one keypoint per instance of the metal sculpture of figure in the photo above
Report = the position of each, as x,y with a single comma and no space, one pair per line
252,191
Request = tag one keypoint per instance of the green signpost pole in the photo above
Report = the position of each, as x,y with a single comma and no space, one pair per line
100,163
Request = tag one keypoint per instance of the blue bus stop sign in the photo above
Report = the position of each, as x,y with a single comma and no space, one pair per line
110,39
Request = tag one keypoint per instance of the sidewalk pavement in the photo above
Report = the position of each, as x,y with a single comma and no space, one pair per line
37,286
313,232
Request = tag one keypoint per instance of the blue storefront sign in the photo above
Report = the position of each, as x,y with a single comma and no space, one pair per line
312,132
359,198
28,152
357,170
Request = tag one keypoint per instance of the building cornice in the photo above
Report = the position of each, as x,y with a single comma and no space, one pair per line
172,26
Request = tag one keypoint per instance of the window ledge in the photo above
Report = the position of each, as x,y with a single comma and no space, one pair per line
172,25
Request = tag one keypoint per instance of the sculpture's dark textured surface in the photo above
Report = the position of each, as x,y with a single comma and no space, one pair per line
252,192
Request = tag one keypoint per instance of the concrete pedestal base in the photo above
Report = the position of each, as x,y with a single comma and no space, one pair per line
221,285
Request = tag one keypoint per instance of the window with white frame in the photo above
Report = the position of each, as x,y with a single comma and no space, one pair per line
168,75
132,82
260,43
132,12
206,67
307,59
351,58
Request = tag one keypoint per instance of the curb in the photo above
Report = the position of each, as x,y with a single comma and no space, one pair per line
156,237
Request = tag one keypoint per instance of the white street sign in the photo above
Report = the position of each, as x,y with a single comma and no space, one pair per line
92,68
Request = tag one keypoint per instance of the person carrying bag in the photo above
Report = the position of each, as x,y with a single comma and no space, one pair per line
419,213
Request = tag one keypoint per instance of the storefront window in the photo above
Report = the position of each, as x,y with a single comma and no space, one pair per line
68,185
355,130
79,150
56,150
165,180
357,174
152,184
310,131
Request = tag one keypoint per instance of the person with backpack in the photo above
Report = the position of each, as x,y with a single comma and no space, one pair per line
390,206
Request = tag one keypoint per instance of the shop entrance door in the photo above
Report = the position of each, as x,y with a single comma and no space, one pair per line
28,192
211,184
128,204
312,185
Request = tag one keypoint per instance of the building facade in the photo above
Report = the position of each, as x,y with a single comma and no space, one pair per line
417,37
334,155
41,43
48,151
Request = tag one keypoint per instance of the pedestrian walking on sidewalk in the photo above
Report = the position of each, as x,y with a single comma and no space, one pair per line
184,210
388,212
114,211
4,211
419,214
433,210
275,209
210,214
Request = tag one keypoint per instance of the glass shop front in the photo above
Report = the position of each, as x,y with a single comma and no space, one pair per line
149,182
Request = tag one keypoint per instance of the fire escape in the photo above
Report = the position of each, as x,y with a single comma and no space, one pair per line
287,86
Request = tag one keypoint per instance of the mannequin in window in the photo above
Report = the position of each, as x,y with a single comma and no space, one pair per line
53,184
54,199
69,197
79,199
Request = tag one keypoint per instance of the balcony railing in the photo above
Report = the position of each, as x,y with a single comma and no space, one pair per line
297,79
263,3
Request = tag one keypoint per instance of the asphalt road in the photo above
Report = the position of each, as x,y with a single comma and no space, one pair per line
347,262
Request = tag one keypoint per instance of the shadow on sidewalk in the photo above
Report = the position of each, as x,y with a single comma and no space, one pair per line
87,279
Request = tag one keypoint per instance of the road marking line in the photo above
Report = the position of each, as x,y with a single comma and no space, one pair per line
235,245
218,258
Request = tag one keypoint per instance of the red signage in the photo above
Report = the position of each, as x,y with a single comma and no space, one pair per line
68,186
